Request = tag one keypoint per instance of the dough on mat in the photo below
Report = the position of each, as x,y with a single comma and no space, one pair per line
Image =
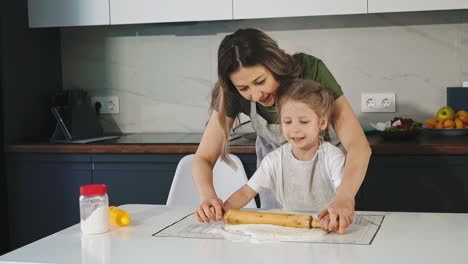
260,232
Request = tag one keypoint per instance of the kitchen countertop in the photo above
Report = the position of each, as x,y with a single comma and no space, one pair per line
429,238
184,143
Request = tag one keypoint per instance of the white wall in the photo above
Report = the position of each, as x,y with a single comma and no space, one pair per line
163,73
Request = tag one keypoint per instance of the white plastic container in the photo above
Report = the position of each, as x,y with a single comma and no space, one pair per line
94,209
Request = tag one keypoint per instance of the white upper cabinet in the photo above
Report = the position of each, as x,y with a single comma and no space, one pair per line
62,13
289,8
154,11
382,6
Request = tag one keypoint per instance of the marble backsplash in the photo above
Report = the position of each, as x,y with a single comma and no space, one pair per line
163,73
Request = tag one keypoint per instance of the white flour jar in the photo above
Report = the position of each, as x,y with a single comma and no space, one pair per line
94,209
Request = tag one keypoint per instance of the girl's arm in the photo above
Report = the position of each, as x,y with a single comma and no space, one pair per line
205,158
240,198
351,135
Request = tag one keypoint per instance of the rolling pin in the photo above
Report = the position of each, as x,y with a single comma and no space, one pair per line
237,217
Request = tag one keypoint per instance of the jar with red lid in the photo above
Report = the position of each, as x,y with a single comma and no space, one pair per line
94,209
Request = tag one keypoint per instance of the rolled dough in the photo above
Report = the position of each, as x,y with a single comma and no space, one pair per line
273,233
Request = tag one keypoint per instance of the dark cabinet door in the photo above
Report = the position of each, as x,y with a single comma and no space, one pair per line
249,161
136,178
415,184
3,189
43,193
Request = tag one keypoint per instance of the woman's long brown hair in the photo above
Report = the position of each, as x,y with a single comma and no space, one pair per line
244,48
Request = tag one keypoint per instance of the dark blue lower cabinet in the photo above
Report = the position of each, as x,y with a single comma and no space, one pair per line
136,178
43,193
249,161
415,184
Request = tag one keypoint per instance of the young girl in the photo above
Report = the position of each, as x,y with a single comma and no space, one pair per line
305,172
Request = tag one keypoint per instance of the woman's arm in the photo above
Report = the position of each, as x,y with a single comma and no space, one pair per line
240,198
202,168
351,135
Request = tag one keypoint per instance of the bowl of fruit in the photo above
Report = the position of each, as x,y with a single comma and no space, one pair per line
447,123
401,129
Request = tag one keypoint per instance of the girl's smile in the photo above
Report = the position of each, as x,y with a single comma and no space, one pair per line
297,140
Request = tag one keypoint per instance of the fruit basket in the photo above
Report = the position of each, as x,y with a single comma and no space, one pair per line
447,123
446,131
401,129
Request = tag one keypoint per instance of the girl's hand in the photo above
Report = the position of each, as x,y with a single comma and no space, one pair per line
340,214
212,209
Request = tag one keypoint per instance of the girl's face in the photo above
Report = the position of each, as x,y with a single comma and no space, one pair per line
300,124
256,83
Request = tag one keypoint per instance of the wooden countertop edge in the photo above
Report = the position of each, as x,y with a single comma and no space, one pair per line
378,149
106,149
119,149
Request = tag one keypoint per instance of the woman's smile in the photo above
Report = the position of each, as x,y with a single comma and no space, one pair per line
265,100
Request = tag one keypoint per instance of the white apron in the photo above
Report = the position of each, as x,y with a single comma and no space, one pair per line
306,185
269,138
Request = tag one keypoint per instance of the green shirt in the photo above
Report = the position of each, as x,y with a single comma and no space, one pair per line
311,68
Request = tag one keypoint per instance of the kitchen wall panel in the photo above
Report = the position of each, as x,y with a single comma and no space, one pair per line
165,70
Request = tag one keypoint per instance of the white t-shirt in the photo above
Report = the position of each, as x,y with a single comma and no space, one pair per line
298,184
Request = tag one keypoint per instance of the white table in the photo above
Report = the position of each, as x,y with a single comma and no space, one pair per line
403,238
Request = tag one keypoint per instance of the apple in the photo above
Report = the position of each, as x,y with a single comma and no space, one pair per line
445,113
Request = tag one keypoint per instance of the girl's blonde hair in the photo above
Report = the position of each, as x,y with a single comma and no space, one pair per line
311,93
244,48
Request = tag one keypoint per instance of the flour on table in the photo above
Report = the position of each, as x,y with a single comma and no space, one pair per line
361,232
272,233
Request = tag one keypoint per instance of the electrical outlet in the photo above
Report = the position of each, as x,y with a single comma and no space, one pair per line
370,103
108,104
378,102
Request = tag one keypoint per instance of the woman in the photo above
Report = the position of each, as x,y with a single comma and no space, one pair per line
251,71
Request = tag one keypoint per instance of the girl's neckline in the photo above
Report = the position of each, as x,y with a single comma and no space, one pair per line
290,150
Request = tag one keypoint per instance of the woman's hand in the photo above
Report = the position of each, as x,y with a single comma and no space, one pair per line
212,209
339,215
324,222
202,169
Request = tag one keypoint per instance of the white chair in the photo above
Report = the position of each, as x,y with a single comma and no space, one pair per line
226,181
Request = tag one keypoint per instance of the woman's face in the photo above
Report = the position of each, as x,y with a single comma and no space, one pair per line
256,83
